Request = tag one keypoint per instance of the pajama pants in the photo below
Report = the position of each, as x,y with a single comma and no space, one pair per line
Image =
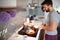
50,37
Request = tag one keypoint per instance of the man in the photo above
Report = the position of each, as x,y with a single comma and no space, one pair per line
52,21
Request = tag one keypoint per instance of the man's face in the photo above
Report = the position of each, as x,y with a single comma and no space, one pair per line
45,8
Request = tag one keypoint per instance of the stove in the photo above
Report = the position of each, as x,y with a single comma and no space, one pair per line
28,37
22,32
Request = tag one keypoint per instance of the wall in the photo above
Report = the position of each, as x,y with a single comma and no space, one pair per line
23,3
7,3
56,4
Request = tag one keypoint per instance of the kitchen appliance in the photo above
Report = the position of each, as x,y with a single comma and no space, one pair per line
26,31
34,36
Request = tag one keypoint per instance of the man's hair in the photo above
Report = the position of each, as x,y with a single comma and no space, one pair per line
47,2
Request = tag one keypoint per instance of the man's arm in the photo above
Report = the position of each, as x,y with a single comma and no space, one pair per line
54,20
51,27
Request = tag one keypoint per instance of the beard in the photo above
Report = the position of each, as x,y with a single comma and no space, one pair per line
47,10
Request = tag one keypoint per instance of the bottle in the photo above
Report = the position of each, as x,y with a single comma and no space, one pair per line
28,20
32,17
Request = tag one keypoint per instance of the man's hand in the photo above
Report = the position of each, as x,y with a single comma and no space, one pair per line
51,27
41,27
